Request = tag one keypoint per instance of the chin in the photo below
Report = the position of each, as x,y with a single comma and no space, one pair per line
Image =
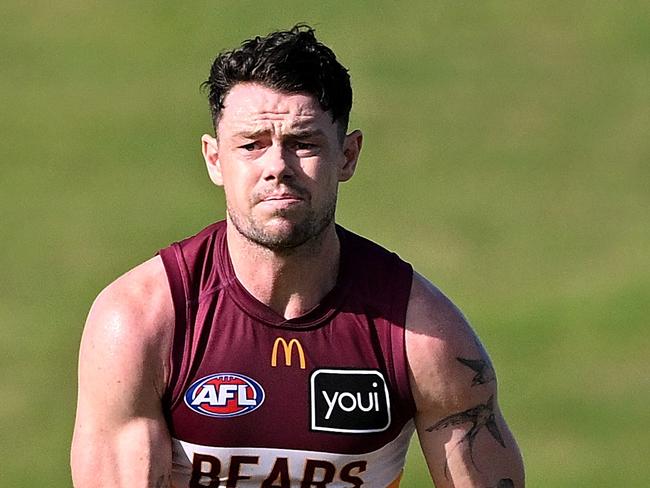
285,235
283,231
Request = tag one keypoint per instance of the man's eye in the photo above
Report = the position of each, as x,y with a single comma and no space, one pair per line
251,146
304,146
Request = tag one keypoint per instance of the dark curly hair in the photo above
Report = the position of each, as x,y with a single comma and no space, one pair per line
292,61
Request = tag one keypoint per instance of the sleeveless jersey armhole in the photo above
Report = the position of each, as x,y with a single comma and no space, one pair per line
401,293
178,278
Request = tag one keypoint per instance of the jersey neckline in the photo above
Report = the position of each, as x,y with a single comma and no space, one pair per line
251,306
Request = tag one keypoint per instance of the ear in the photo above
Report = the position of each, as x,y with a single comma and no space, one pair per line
210,150
351,149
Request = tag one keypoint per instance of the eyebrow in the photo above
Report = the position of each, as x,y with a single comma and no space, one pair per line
292,134
304,133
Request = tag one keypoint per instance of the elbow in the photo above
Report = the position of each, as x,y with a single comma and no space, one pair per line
86,465
79,468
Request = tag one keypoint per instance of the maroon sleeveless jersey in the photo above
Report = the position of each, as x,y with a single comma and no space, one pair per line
256,400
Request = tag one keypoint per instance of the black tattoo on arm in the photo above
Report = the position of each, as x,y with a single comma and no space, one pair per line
482,368
480,416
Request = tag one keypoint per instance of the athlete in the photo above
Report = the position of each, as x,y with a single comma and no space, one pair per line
276,349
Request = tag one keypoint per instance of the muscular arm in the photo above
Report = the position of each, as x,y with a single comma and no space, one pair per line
120,437
463,434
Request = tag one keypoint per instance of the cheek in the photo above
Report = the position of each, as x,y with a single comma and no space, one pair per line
323,169
237,174
325,185
237,187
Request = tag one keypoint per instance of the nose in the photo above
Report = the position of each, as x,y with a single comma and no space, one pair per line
278,164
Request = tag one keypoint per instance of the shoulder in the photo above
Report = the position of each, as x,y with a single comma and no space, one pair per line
141,298
130,325
445,357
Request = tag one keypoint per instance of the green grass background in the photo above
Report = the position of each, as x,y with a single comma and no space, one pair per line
506,156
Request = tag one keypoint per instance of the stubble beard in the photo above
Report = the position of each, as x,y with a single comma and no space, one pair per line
287,241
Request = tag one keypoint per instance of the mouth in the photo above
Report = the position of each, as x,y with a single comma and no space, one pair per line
281,202
288,197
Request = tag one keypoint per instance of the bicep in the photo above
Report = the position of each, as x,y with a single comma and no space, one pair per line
120,437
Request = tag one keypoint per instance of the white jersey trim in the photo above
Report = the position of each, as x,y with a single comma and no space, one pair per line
381,467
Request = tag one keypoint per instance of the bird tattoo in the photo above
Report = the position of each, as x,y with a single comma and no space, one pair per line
484,372
480,416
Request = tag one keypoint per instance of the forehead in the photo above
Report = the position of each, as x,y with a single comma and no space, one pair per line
254,107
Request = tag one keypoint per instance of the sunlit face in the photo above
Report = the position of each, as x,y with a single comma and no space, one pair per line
279,159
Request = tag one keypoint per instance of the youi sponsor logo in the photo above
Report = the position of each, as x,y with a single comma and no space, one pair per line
224,395
349,401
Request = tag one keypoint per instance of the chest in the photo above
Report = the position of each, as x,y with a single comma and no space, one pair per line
249,384
262,405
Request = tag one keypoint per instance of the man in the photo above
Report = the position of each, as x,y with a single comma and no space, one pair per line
276,349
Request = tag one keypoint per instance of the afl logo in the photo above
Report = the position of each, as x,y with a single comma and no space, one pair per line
224,395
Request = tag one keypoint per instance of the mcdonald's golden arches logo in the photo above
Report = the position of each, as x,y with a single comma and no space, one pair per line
287,348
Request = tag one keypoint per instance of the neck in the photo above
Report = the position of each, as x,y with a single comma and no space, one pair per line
290,283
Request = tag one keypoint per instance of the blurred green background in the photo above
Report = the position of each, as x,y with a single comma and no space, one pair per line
506,156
